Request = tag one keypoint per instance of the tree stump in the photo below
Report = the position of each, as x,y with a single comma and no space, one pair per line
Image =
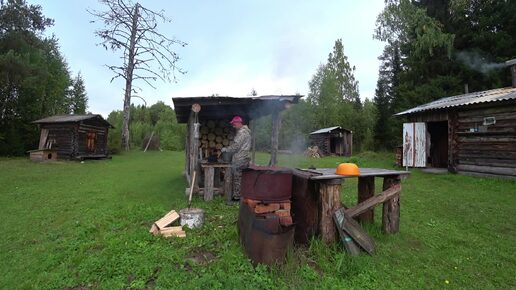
329,202
228,179
391,207
365,191
209,174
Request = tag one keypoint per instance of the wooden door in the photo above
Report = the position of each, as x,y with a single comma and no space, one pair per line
91,142
414,144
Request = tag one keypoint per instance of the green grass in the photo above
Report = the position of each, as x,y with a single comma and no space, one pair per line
71,224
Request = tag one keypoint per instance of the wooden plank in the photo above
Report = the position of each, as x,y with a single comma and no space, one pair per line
487,169
181,234
252,123
154,229
209,175
366,191
391,208
373,201
171,229
169,218
329,201
329,173
351,247
354,230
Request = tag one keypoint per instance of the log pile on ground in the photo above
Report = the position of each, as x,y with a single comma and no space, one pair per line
312,152
164,227
215,134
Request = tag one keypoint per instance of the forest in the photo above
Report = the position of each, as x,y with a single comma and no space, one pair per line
433,48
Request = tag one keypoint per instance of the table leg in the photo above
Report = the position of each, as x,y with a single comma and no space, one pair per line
365,191
329,202
228,179
391,207
209,174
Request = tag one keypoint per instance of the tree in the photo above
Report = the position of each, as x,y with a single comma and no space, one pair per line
78,100
132,30
34,76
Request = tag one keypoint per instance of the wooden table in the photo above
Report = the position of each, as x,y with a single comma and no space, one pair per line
209,177
329,198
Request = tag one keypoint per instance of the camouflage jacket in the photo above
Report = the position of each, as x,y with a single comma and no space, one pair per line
241,145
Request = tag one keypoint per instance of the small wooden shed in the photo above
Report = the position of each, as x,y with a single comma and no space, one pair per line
333,141
214,114
72,137
473,133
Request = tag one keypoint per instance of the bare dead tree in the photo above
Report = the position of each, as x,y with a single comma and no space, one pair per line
146,53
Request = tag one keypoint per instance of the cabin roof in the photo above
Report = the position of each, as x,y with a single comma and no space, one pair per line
223,107
496,95
72,119
328,130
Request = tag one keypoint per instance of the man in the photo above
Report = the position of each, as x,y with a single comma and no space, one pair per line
240,148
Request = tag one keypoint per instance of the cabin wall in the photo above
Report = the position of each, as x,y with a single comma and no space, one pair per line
61,137
343,146
487,149
97,133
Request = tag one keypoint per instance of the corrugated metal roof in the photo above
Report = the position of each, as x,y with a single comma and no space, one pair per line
328,130
70,119
496,95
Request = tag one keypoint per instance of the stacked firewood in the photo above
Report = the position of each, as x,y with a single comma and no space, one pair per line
280,210
312,152
215,134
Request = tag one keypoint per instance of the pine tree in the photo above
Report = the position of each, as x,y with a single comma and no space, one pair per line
78,100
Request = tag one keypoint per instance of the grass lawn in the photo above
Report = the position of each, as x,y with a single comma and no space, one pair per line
86,225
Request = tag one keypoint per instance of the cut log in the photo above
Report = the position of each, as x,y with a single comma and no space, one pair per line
154,229
180,234
211,137
169,218
209,174
391,208
171,229
329,202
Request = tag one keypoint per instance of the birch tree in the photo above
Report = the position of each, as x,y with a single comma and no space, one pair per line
147,56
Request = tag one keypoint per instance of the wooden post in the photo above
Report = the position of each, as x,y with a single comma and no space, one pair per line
228,183
193,148
329,202
209,174
252,123
391,208
365,191
276,124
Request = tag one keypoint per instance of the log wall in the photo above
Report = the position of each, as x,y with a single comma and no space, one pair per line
488,149
323,141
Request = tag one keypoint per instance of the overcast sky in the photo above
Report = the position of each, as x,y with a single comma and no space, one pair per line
233,46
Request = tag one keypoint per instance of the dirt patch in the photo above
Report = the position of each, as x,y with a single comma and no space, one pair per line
151,282
201,257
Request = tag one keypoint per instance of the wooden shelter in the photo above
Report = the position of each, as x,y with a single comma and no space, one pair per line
208,118
72,137
333,141
473,133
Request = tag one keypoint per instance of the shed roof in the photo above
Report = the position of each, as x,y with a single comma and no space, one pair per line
72,119
218,107
496,95
328,130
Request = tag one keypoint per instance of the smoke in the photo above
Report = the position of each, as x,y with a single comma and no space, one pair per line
477,62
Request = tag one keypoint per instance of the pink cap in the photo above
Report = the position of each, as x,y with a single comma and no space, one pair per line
236,119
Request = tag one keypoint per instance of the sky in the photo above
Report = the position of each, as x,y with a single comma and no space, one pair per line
233,47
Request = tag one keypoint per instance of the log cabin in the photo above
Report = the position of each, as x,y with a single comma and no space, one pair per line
72,137
333,141
473,134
